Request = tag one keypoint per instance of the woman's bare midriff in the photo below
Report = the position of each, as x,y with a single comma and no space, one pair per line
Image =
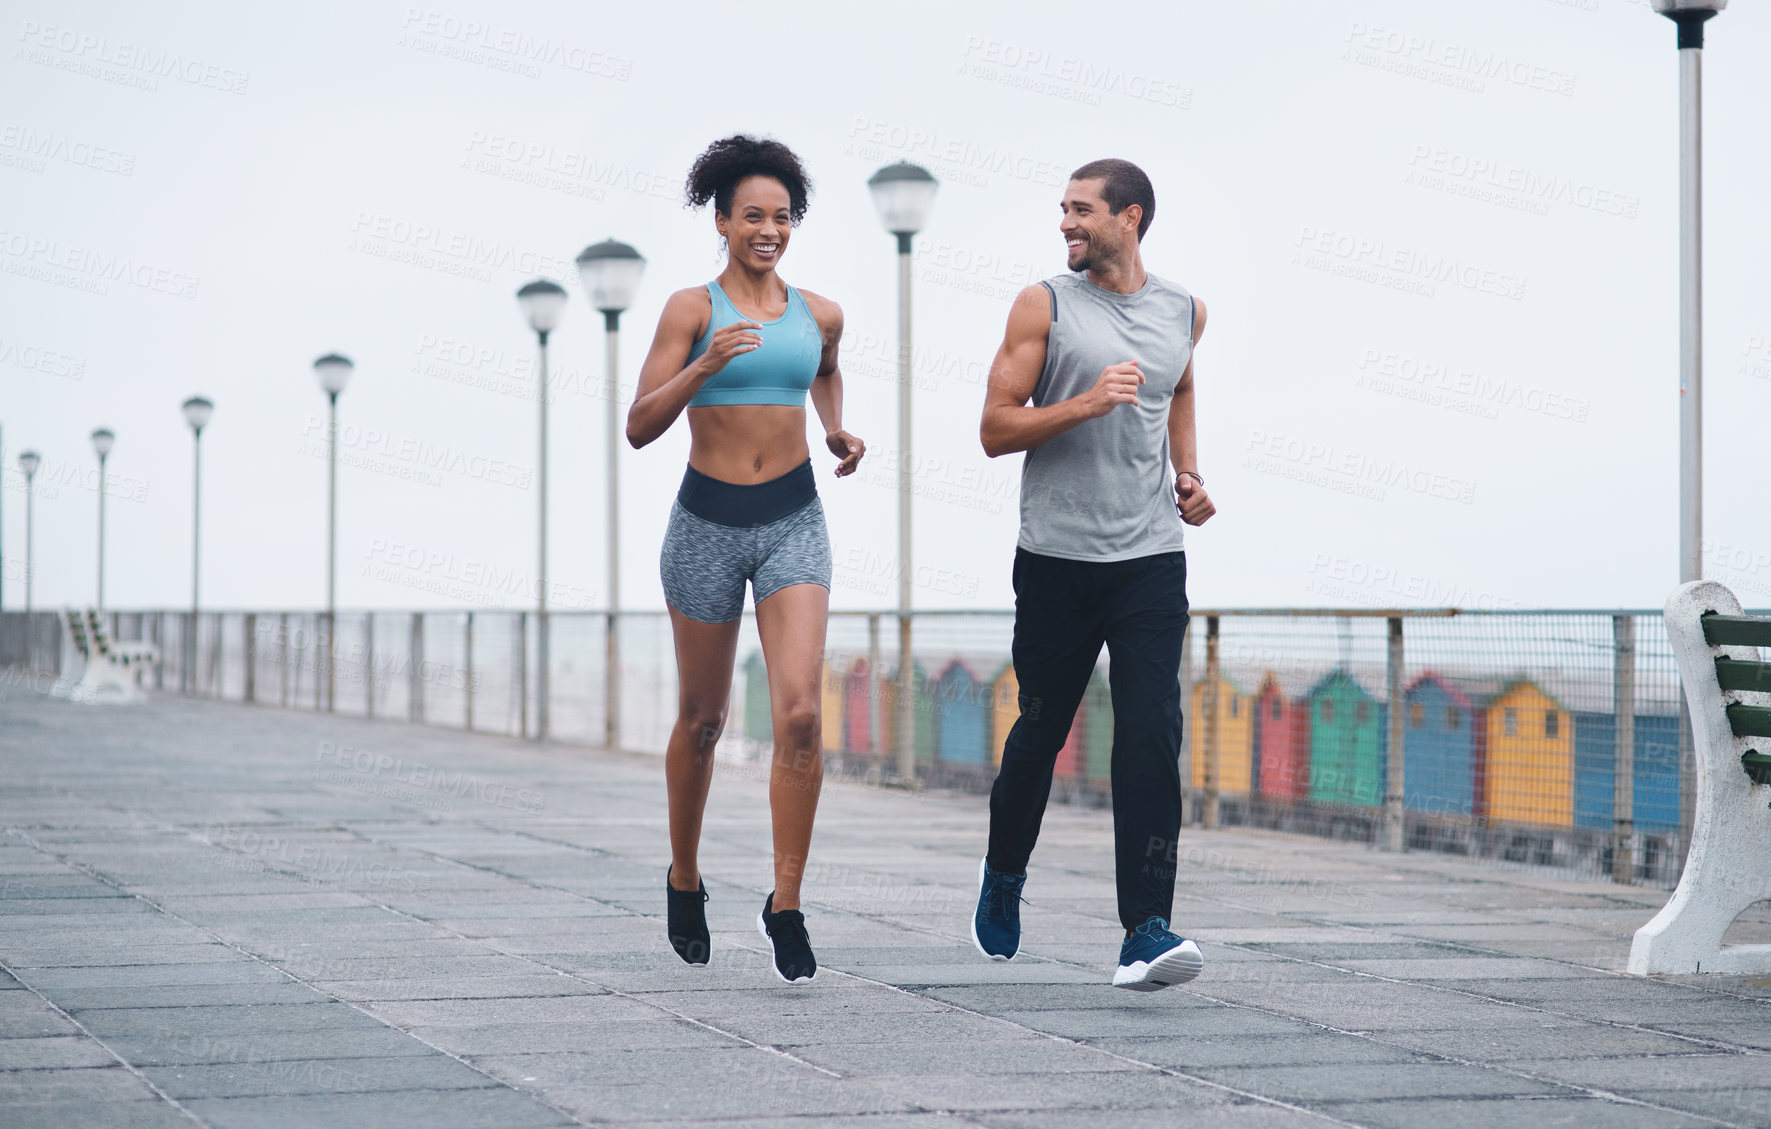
747,443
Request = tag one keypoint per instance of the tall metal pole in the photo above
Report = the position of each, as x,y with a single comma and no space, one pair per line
1689,16
612,632
542,663
101,533
906,664
2,531
196,516
1690,300
1395,773
188,637
30,549
331,539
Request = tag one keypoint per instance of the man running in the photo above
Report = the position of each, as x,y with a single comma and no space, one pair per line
1105,355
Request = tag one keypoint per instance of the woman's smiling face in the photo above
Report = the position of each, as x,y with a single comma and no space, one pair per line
761,220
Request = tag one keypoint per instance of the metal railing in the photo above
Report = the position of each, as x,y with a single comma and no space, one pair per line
1550,737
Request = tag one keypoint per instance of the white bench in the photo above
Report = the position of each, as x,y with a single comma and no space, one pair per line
1728,867
111,667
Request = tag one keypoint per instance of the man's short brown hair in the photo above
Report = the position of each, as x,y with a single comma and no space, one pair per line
1123,184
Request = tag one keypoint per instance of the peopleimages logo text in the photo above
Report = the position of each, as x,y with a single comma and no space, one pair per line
85,47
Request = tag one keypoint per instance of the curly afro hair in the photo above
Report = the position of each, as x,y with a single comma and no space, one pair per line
716,173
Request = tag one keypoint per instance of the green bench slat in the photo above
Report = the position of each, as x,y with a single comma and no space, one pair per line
1758,766
1750,721
1736,674
1736,631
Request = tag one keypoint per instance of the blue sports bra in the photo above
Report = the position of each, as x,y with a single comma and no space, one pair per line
779,371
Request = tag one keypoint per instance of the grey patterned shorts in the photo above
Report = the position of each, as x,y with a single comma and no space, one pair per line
705,564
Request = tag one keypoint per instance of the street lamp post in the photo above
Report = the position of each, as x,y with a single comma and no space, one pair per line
29,461
1690,16
904,194
543,303
334,372
611,272
197,411
102,442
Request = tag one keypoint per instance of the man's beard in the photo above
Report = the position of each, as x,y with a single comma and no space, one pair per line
1095,257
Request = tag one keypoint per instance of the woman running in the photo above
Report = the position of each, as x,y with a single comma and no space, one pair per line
741,354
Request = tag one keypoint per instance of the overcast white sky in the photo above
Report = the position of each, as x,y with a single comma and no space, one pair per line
1438,243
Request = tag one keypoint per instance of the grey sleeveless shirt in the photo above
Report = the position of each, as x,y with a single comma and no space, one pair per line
1104,490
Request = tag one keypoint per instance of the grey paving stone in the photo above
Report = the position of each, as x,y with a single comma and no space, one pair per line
1572,1112
239,970
1189,1053
77,956
1026,1055
690,1069
537,983
407,1109
54,1051
185,995
1123,1089
316,1076
1755,1035
554,1038
478,1013
88,1084
109,1115
170,1048
1177,1022
810,1100
1541,1041
1658,1072
222,1019
943,1025
24,1016
1357,1081
1749,1105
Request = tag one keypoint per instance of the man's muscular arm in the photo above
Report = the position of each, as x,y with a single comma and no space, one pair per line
1010,424
1183,446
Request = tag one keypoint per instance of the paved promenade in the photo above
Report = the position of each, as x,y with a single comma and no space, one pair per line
219,915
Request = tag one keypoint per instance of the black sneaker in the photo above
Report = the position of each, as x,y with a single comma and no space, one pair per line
686,922
786,934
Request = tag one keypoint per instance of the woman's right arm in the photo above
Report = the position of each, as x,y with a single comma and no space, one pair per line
668,379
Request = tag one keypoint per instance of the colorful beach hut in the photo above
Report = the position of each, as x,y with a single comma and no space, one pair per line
830,705
857,725
759,724
1346,742
922,709
1529,753
962,716
1097,736
1656,760
1235,716
1282,740
1005,710
1439,748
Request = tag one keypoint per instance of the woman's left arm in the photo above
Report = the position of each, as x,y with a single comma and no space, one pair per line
827,386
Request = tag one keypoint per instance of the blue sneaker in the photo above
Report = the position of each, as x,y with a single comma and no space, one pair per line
1153,958
996,924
